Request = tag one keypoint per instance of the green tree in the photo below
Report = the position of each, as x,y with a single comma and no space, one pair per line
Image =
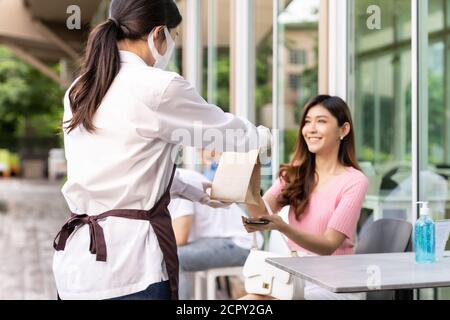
30,103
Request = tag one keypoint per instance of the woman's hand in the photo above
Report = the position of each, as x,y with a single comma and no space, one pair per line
256,210
275,223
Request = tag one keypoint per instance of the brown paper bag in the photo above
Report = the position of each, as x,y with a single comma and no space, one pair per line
238,178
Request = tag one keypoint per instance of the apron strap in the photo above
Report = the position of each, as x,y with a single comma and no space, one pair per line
97,243
161,222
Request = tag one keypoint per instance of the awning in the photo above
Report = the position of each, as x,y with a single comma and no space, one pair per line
32,26
38,32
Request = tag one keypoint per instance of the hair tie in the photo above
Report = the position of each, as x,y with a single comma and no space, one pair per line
114,20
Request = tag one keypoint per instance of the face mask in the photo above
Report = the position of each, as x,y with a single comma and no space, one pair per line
161,62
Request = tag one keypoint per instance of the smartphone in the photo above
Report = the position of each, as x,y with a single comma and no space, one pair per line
255,221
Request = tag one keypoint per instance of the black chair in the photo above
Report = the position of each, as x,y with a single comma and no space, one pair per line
386,236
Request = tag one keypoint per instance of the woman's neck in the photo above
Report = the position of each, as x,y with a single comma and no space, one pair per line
138,48
328,165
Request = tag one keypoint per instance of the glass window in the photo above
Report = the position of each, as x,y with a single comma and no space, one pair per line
294,81
434,178
380,96
176,63
263,29
216,42
297,57
298,25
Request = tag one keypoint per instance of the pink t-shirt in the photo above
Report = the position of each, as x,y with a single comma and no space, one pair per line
337,206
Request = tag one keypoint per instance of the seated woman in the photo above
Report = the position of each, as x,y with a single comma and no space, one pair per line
323,186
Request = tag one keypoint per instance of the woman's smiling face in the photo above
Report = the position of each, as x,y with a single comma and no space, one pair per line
321,130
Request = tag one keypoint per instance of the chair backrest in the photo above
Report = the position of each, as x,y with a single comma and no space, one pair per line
385,236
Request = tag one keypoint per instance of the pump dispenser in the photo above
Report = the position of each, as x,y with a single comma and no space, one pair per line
425,236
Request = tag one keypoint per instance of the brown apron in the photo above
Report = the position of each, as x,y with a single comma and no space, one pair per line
159,218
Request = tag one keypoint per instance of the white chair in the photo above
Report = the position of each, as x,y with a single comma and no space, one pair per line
211,275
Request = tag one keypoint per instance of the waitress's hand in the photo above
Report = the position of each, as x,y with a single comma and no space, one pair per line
214,203
206,200
207,187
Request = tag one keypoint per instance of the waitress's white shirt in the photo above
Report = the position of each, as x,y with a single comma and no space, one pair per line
126,164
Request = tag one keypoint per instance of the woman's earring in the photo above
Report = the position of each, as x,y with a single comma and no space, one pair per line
342,138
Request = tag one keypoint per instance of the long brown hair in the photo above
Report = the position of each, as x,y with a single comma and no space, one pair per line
130,19
300,174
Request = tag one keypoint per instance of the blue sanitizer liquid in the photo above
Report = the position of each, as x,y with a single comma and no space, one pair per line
425,242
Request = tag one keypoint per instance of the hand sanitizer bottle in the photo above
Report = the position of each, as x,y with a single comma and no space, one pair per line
425,239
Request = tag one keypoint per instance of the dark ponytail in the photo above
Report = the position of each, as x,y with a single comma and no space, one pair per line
130,19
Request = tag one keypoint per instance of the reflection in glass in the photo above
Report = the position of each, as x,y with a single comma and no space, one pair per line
381,101
298,70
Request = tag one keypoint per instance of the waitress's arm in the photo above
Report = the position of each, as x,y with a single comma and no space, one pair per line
184,117
185,190
193,192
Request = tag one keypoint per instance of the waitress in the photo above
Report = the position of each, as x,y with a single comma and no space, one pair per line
124,120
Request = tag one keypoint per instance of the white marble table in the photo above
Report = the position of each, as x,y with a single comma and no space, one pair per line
367,272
